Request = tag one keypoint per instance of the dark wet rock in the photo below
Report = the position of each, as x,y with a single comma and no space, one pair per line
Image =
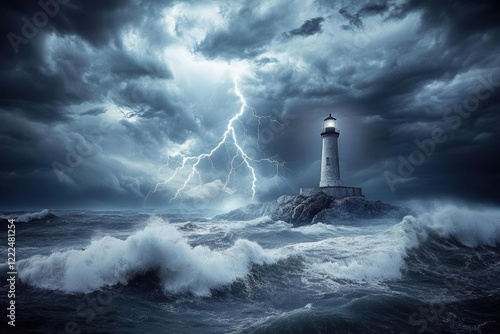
359,208
301,209
319,207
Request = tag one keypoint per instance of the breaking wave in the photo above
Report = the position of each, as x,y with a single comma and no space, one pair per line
470,227
27,217
382,256
159,247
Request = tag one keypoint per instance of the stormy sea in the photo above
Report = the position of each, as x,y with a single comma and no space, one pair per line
437,271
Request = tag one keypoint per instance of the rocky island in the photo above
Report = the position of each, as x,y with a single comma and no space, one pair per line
318,207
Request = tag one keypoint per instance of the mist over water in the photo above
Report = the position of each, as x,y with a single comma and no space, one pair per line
434,271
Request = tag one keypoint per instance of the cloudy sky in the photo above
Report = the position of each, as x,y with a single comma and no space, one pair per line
102,103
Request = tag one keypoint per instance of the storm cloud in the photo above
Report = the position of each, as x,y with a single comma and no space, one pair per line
100,102
309,27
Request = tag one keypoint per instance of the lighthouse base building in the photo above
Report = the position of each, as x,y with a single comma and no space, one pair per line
337,191
330,169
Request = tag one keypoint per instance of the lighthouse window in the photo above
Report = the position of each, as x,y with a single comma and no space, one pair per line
330,123
327,160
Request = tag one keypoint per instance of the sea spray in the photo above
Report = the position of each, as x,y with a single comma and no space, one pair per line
375,257
159,247
471,227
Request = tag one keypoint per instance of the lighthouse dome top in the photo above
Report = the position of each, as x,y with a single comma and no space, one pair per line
330,117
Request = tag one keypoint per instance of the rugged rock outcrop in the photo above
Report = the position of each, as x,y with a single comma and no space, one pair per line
359,208
301,209
318,207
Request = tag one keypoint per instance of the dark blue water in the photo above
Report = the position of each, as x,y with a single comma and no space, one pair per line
142,272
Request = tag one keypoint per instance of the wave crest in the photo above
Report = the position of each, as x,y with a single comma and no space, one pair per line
471,227
382,255
27,217
160,247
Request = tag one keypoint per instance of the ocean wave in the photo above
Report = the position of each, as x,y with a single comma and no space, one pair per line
470,227
27,217
242,225
381,256
362,258
160,247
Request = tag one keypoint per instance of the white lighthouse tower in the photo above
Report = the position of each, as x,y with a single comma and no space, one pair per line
330,171
329,182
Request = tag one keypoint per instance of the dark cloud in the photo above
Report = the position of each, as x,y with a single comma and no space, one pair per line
248,32
124,65
101,24
30,84
354,19
97,23
265,60
356,11
460,18
308,28
94,112
374,8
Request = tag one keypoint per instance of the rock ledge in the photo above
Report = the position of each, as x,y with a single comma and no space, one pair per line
319,207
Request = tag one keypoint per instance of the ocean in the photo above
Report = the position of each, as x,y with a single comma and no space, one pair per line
173,272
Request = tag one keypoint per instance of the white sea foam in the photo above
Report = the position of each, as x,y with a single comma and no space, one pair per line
321,229
27,217
380,256
471,227
159,246
369,258
242,225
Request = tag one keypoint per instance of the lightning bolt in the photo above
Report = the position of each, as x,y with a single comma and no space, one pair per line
192,162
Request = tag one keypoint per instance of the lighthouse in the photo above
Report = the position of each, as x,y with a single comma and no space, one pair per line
329,181
330,170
